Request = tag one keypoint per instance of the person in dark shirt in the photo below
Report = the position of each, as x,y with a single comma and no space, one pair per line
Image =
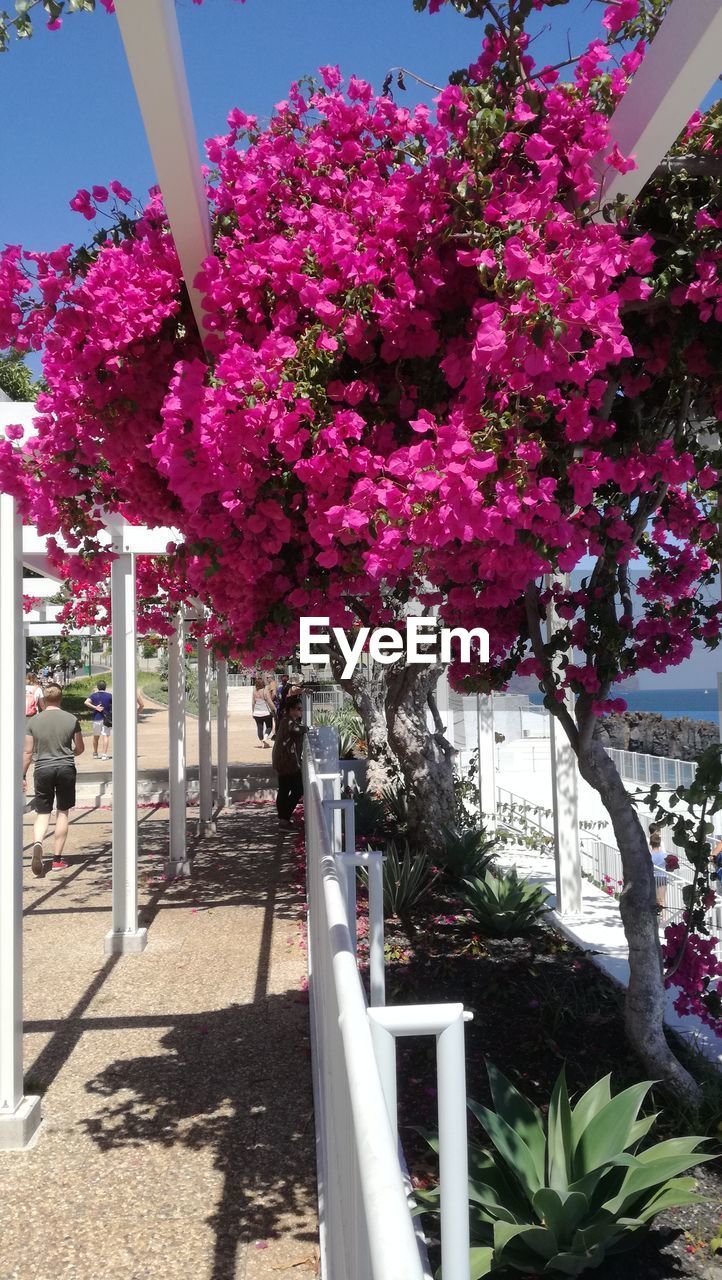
55,738
101,705
286,760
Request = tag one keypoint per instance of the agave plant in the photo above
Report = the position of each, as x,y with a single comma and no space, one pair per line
407,878
369,813
505,906
350,727
396,808
554,1197
466,854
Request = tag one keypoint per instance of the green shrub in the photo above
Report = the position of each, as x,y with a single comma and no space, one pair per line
407,879
396,809
466,854
505,906
555,1196
350,728
370,816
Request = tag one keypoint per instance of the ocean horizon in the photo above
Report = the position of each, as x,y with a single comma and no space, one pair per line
695,704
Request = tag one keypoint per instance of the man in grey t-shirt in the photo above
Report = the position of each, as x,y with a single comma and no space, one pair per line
55,738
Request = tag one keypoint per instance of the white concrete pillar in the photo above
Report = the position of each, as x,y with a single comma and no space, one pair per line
487,757
205,750
222,731
565,806
178,862
124,937
19,1115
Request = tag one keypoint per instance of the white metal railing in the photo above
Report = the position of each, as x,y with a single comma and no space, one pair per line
366,1228
634,766
366,1225
330,698
602,862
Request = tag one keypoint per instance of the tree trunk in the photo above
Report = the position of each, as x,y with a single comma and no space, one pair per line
369,698
644,1008
425,757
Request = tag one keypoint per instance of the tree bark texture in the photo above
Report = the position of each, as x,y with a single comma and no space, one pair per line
644,1007
425,757
368,694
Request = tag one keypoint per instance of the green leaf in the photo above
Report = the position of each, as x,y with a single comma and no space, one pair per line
609,1131
559,1144
672,1147
511,1147
538,1240
569,1264
653,1174
561,1213
680,1191
486,1197
521,1114
641,1128
481,1262
588,1105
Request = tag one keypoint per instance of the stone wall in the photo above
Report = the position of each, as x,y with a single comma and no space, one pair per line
655,735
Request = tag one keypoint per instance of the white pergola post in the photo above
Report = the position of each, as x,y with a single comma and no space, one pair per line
205,761
222,731
125,937
178,862
565,807
487,757
19,1115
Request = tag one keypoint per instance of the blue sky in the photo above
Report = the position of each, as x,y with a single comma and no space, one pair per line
71,120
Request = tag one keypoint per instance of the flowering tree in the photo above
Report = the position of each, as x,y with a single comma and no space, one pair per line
434,371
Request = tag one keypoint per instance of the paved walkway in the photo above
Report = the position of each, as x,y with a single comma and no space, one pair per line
178,1135
243,745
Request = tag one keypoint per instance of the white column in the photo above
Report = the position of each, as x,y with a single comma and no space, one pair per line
178,863
222,731
19,1115
205,762
487,756
124,937
565,807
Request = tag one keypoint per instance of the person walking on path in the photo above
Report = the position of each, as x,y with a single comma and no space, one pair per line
286,760
34,701
660,868
55,738
101,704
263,712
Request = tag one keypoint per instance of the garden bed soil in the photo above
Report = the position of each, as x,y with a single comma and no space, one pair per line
539,1004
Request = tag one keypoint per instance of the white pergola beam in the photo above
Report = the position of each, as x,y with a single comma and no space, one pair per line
57,629
39,588
680,67
149,29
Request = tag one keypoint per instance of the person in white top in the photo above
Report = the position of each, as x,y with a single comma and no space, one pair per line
34,700
263,712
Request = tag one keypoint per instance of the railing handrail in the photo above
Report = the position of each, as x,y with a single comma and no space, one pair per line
392,1241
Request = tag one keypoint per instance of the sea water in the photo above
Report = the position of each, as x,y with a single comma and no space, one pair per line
696,704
